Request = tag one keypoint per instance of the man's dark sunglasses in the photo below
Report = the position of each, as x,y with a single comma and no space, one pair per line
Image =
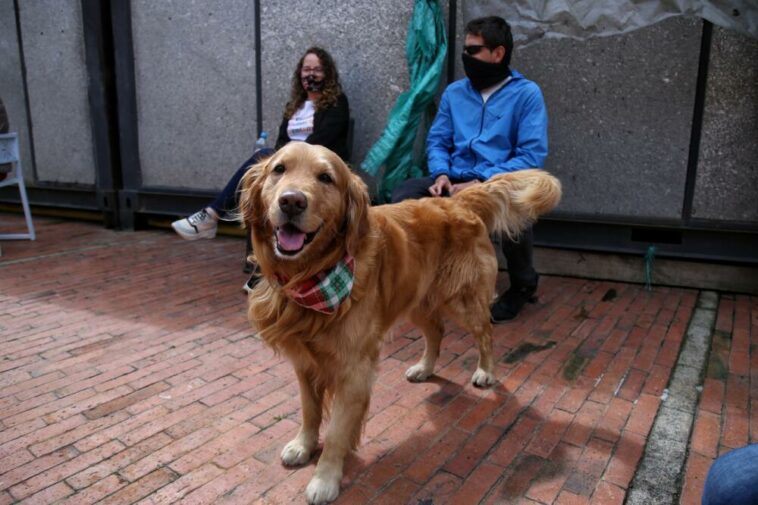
472,50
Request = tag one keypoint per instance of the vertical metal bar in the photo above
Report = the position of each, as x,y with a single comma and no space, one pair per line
127,94
107,180
258,66
128,138
451,35
697,122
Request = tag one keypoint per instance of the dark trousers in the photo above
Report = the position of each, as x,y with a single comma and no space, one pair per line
228,199
518,253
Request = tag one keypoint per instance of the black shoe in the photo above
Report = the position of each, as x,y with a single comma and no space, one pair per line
249,267
510,303
254,279
251,282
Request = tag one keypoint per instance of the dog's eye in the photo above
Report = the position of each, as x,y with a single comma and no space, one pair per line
325,178
279,169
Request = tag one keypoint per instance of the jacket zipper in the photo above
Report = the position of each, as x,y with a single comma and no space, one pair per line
481,121
481,125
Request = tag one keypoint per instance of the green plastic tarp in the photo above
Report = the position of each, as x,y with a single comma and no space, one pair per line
425,51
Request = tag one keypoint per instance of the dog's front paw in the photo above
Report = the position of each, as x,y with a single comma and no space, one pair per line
417,373
482,379
295,453
322,490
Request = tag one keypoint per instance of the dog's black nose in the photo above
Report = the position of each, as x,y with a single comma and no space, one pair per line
293,203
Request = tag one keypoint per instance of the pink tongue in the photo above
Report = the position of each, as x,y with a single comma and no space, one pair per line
289,239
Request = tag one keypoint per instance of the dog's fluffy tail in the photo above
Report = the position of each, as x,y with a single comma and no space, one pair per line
509,203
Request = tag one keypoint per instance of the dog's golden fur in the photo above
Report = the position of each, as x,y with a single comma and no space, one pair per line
423,260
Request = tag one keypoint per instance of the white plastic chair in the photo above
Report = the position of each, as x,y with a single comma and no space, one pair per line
9,153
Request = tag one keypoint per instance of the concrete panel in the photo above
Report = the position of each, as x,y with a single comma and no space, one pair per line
12,83
367,40
195,81
727,173
56,77
620,112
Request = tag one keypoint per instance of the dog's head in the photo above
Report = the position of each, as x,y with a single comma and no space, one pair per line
305,208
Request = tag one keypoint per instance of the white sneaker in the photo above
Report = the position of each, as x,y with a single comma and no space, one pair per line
202,224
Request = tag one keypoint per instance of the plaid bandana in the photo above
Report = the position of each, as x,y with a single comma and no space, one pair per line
325,291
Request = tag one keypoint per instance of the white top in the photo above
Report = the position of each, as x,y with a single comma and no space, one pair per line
300,125
487,92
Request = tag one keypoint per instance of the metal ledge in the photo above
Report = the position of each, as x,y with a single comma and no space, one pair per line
719,245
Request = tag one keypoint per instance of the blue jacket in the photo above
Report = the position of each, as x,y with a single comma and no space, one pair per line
470,139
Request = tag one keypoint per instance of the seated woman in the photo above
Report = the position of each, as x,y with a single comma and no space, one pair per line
317,113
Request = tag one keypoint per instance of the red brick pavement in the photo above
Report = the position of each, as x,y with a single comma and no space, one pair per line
727,415
128,374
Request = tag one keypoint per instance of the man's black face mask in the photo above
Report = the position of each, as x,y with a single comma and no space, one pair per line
482,74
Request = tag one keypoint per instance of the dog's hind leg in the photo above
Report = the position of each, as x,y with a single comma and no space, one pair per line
298,451
433,330
484,375
473,316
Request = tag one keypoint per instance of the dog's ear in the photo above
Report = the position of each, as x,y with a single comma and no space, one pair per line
250,205
356,217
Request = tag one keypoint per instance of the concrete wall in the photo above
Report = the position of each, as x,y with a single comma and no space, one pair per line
620,112
56,78
12,84
727,182
195,80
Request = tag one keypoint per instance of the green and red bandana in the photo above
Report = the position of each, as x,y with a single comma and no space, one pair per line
325,291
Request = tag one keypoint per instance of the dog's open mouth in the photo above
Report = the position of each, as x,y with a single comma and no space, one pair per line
290,239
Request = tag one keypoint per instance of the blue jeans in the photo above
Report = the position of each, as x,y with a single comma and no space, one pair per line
733,478
228,199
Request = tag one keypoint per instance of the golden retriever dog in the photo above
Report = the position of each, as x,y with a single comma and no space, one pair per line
424,260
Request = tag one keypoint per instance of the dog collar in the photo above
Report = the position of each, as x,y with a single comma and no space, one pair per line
325,291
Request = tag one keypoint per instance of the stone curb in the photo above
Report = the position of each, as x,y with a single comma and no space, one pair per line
659,475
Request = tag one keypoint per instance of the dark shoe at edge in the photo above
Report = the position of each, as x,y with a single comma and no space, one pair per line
511,302
251,282
254,278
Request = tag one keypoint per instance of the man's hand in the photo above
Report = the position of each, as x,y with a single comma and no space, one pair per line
441,185
459,187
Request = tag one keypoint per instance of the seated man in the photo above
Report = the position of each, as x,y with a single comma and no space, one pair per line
491,122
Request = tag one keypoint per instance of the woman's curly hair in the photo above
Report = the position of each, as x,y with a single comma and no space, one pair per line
329,93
